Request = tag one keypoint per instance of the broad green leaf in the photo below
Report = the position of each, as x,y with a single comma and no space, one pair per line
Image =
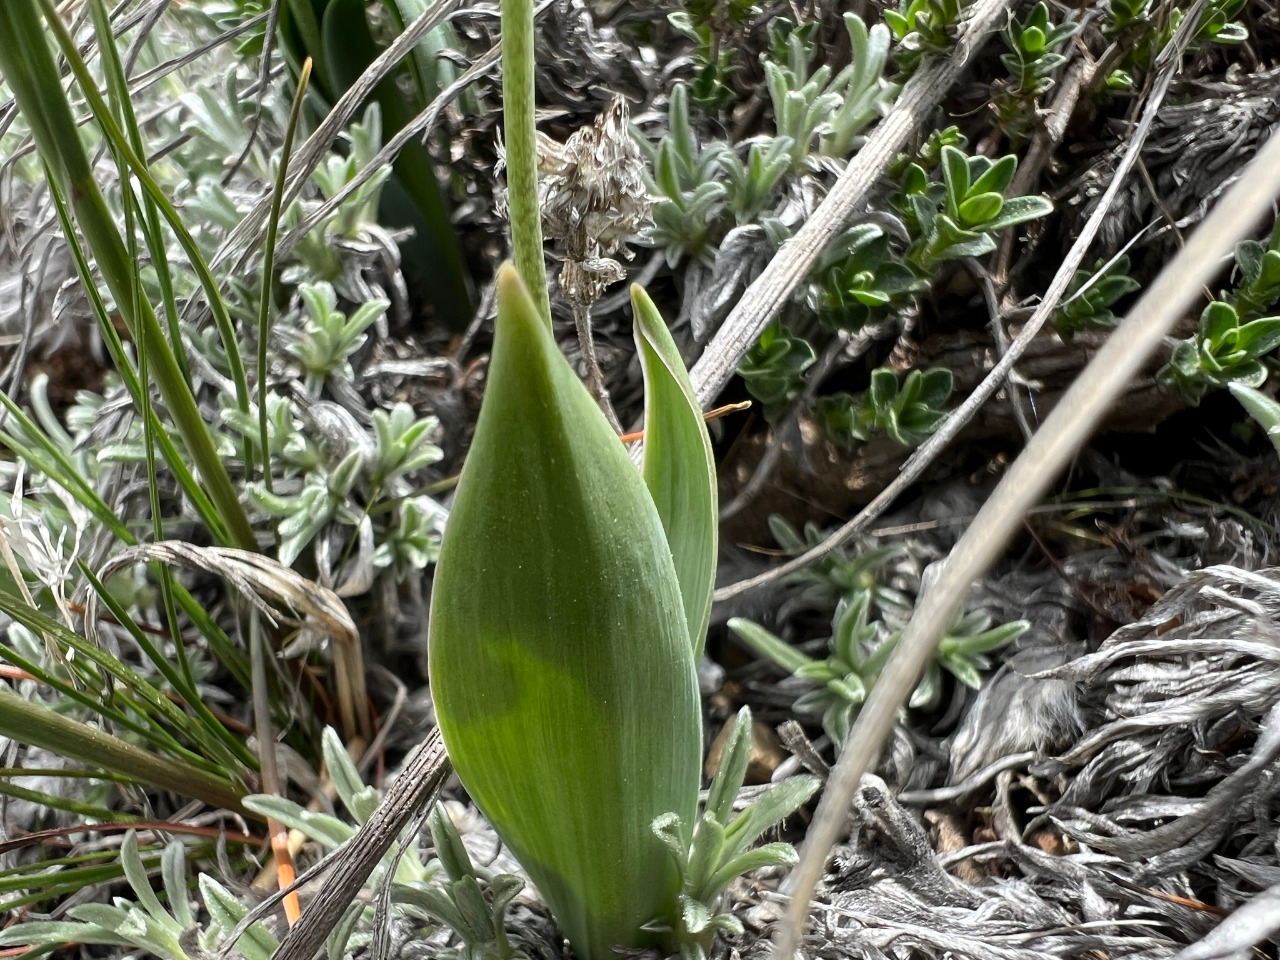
678,466
559,655
1019,210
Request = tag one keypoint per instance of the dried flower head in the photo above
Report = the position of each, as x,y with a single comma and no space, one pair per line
593,198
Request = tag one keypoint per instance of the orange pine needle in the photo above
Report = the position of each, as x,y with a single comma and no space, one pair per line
710,415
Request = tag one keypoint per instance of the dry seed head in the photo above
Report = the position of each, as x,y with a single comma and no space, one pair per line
592,195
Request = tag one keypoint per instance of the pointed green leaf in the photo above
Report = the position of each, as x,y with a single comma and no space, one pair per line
678,465
559,654
767,645
732,771
781,800
447,845
770,855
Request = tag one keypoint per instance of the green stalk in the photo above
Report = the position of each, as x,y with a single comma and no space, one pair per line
522,150
268,270
38,726
30,72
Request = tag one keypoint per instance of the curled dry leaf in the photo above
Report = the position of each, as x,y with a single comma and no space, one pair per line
267,584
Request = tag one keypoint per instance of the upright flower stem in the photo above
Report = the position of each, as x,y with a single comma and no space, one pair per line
522,152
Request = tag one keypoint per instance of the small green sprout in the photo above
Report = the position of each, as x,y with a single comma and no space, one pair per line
962,652
860,647
908,413
922,26
865,95
774,368
330,337
323,498
859,279
1258,288
402,444
414,542
958,216
1033,51
475,908
1146,35
1032,60
720,849
1223,351
1090,297
929,154
751,185
1123,14
837,573
713,26
801,100
817,113
690,198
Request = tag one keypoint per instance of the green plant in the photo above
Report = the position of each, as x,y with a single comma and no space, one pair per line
751,185
922,26
1033,57
816,113
908,412
1258,267
1090,297
1223,351
859,279
774,368
837,573
958,216
1146,29
1123,14
147,924
720,849
558,629
713,26
689,198
472,906
342,38
1033,50
329,337
858,653
860,647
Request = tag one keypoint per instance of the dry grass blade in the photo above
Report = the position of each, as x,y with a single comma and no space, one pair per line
272,588
1061,436
258,578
